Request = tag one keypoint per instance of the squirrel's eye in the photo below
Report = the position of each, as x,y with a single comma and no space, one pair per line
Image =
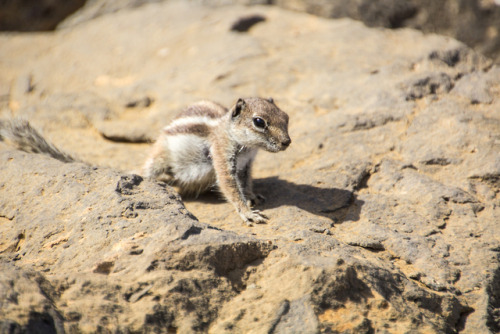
259,122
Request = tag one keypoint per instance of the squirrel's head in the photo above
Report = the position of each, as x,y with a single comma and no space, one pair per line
260,123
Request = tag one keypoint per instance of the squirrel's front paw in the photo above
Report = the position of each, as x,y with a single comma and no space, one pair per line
253,216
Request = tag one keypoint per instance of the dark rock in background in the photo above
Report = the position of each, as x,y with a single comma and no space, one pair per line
35,15
474,22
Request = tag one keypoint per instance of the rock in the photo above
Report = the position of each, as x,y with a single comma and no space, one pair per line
473,22
140,102
27,294
94,8
296,316
383,212
124,132
428,85
243,24
381,13
478,88
129,225
29,15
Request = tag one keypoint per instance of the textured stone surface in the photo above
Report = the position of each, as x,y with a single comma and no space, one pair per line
99,244
384,210
474,22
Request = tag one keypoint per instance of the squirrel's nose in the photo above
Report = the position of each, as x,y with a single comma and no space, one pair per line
286,142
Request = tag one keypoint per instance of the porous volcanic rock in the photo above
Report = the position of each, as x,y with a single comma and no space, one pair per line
383,211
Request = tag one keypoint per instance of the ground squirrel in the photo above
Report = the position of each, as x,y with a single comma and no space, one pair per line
208,145
204,147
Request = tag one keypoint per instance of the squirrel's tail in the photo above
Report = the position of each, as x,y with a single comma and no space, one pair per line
24,137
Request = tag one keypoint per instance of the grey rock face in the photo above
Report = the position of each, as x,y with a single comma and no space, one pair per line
384,210
474,22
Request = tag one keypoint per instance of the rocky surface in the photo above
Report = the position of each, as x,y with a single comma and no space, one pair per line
474,22
384,211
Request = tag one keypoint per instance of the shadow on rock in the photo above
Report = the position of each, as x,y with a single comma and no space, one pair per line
336,204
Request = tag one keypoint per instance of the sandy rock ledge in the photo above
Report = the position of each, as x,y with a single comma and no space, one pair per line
384,211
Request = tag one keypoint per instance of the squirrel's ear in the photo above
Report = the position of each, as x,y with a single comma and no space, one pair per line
270,100
240,105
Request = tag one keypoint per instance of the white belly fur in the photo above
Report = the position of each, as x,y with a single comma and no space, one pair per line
193,171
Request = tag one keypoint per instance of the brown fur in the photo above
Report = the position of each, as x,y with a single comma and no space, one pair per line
204,108
201,130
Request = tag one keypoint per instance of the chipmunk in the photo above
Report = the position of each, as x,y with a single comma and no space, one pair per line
208,145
